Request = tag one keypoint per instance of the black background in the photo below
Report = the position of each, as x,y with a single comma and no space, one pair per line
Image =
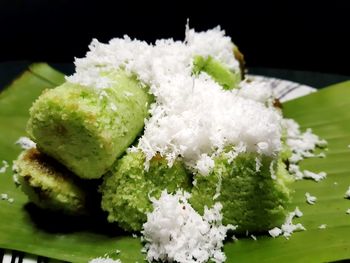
286,34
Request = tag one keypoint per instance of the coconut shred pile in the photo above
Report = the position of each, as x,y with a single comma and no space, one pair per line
195,119
192,117
176,232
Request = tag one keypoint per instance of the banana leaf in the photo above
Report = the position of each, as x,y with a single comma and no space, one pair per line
24,228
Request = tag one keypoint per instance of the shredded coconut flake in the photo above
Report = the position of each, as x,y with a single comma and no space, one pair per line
258,164
253,237
259,91
205,164
4,196
4,167
315,176
218,187
288,227
105,260
348,211
311,200
275,232
302,146
15,178
323,226
347,193
298,175
174,231
272,171
297,212
25,143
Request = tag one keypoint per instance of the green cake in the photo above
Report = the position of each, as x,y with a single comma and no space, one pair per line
48,184
254,196
220,73
86,128
127,188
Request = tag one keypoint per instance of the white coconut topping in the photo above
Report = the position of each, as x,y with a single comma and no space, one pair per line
348,211
174,231
301,144
347,193
315,176
193,117
323,226
288,227
4,167
311,200
297,212
272,171
275,232
25,143
204,119
151,63
257,90
298,175
105,260
253,237
4,196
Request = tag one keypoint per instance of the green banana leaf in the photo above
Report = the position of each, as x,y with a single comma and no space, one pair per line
327,112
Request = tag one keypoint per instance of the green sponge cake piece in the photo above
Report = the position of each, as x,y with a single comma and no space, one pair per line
127,188
251,198
86,128
218,71
48,184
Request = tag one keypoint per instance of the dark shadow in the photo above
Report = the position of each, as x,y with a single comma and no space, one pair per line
58,223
